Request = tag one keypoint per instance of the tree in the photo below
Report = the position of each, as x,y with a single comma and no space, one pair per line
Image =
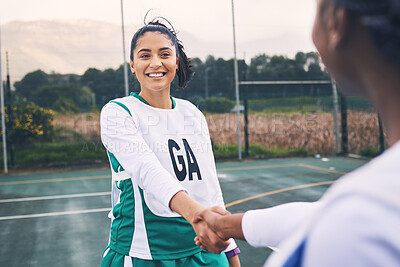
44,89
30,83
65,105
30,122
107,84
47,95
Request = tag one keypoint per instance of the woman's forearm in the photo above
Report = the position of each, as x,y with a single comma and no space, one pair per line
230,226
183,204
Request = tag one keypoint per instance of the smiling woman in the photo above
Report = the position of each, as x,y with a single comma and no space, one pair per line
162,164
155,64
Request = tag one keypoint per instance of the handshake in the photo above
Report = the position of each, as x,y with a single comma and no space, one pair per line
214,226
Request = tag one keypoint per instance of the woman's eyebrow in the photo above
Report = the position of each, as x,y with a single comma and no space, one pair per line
143,50
149,50
165,48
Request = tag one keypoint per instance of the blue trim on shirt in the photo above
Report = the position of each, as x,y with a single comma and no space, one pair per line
296,259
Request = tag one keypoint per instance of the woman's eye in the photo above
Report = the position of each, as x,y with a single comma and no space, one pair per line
144,56
165,54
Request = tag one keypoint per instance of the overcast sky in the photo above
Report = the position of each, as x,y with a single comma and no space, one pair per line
272,22
208,19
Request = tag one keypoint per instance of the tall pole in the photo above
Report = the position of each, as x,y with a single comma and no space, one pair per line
10,115
3,121
124,54
343,111
381,136
336,116
236,85
206,82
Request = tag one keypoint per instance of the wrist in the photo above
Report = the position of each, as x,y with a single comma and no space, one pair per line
222,226
187,207
231,226
233,252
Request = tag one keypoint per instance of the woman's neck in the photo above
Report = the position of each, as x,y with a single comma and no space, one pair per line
383,82
161,99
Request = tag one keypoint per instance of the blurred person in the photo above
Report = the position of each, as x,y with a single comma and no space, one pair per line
162,164
356,221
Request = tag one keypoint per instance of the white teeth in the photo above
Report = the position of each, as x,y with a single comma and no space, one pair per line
155,75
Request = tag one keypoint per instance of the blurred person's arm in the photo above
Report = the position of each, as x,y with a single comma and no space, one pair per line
260,228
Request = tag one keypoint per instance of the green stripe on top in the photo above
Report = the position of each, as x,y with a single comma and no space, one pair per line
144,101
114,163
122,105
173,102
169,237
122,225
139,97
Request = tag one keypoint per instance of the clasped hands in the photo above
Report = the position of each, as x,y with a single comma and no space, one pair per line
207,225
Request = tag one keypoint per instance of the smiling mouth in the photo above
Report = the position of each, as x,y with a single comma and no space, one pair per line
156,75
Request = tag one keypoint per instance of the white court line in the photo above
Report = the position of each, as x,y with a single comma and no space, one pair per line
53,197
52,214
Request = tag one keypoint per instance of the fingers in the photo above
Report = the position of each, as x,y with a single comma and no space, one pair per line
214,245
198,217
205,225
208,239
220,210
198,243
202,215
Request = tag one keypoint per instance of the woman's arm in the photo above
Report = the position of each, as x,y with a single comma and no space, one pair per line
268,227
122,137
234,261
260,228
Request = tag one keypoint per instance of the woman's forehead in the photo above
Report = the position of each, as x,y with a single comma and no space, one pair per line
154,39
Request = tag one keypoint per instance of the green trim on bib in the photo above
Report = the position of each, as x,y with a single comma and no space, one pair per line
122,226
144,101
173,102
117,167
139,97
122,105
169,237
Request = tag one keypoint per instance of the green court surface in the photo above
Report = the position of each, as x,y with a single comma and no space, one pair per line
60,218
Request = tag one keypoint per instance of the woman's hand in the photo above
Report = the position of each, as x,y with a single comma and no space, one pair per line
224,224
183,204
212,217
207,239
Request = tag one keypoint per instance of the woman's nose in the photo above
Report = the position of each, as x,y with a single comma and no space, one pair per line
155,62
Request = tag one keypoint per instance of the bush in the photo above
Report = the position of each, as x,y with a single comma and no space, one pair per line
30,121
369,152
65,105
217,105
257,151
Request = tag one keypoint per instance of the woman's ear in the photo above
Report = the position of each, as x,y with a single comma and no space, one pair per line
177,62
340,26
132,66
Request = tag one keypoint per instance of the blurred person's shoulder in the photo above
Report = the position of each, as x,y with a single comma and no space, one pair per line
355,230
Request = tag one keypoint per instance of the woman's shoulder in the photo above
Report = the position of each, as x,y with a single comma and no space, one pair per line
127,103
354,227
186,104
